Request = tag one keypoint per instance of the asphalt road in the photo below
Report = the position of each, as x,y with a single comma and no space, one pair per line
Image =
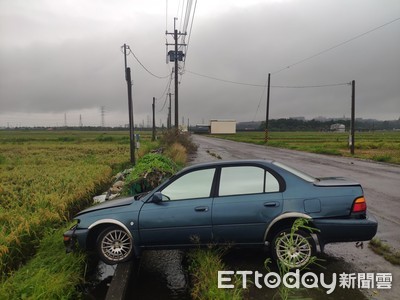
381,183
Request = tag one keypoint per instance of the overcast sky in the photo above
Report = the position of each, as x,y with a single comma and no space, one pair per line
62,61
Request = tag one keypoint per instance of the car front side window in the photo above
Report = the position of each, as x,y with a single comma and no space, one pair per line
196,184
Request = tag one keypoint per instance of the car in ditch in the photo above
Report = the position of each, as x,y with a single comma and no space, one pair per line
239,203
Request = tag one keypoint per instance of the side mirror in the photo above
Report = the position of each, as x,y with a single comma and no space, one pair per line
157,198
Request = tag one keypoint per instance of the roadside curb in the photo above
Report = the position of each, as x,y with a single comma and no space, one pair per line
120,280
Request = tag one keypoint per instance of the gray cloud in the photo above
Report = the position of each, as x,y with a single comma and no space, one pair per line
60,57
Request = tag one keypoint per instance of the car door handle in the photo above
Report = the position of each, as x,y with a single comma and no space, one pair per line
271,204
201,208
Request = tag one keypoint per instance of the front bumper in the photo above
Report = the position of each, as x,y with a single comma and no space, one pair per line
70,239
346,230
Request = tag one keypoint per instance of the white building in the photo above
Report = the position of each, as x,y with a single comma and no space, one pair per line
338,127
222,126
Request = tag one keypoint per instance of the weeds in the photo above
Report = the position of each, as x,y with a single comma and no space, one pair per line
148,173
204,265
385,250
283,266
382,158
170,137
177,153
51,274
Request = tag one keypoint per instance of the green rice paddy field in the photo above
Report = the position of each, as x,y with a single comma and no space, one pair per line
46,177
383,146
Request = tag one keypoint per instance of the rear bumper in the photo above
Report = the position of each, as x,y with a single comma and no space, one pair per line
346,230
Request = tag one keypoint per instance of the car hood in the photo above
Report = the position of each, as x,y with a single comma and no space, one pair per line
108,204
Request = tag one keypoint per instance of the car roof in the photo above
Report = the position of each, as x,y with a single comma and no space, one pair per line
228,163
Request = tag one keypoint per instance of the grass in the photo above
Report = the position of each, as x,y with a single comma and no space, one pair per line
150,171
51,274
382,146
385,250
177,153
45,178
204,265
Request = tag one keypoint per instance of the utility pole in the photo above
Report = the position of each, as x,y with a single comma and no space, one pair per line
176,56
353,107
153,138
267,110
103,112
130,108
176,75
169,113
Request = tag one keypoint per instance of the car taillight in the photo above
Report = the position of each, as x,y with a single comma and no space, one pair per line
359,205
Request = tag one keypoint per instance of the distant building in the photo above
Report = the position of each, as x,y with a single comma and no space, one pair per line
222,126
338,127
201,128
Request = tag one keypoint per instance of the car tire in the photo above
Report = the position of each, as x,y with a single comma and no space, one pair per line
294,252
114,245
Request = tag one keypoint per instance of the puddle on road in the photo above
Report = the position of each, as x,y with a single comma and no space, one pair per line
98,280
162,275
158,275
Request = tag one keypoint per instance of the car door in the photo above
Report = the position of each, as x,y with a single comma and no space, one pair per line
248,198
183,217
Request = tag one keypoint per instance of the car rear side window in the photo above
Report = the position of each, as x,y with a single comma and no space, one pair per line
196,184
243,180
271,183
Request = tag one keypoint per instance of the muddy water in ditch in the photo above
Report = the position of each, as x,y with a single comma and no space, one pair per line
163,275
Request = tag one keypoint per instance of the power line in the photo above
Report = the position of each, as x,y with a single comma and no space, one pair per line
190,34
264,85
147,70
167,87
336,46
297,87
224,80
187,16
259,102
309,86
166,15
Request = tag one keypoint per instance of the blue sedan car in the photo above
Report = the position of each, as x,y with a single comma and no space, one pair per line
243,203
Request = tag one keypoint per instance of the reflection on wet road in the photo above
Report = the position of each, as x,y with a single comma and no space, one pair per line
160,275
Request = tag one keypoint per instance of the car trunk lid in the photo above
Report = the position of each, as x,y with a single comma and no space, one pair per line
335,182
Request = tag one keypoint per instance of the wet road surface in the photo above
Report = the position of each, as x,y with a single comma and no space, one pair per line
162,274
381,184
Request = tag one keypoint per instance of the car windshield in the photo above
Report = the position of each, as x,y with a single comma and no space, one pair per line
298,173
